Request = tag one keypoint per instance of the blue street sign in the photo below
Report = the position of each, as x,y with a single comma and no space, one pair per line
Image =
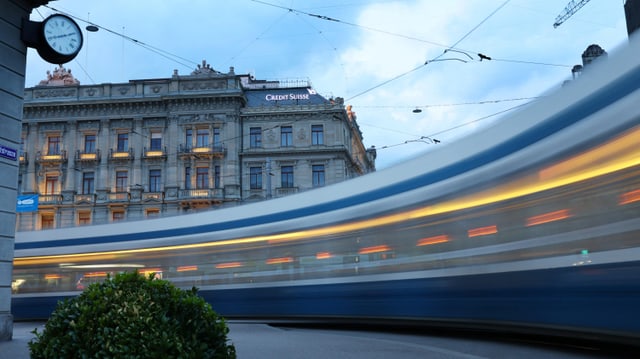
8,152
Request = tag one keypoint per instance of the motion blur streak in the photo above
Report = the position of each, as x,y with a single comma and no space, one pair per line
536,230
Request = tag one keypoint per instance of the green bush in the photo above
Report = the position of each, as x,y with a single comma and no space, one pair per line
131,316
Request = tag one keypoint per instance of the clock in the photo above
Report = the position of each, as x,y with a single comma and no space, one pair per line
61,39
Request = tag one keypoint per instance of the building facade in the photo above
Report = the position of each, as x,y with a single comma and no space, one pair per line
94,154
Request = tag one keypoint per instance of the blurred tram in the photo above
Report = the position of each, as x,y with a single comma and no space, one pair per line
532,224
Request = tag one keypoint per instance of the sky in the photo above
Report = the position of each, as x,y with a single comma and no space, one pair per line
385,58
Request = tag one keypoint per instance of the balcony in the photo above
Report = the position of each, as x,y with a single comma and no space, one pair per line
51,159
121,155
88,157
152,196
285,191
202,152
49,199
84,198
119,197
154,154
200,196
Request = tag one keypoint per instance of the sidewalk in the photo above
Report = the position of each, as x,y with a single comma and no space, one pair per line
18,347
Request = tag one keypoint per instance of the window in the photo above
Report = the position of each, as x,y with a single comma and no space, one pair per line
121,181
202,138
117,215
255,177
53,145
286,175
187,177
87,182
89,143
202,177
154,181
153,212
188,138
216,177
255,137
123,142
286,136
156,141
216,137
84,217
51,185
46,220
318,175
317,135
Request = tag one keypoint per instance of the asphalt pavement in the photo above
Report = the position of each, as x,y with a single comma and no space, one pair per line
259,340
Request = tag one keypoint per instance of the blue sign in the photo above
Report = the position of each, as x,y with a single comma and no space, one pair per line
8,152
27,203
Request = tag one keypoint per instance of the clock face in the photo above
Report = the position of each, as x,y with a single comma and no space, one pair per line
62,34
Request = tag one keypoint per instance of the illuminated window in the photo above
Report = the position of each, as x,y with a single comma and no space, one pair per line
255,137
154,181
87,182
117,215
286,175
286,136
122,177
51,185
84,217
318,175
156,141
317,135
123,142
255,177
46,220
53,145
202,177
89,143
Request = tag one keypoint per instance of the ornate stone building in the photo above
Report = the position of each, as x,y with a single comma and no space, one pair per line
100,153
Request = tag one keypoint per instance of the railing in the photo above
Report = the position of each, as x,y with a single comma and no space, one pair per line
84,198
153,196
201,193
212,151
49,199
119,197
285,191
155,154
82,156
121,155
52,158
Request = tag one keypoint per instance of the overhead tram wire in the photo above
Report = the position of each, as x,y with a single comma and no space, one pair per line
167,55
452,47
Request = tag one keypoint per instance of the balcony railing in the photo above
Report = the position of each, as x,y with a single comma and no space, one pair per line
119,197
285,191
121,155
201,193
150,154
49,199
51,158
84,198
82,156
204,151
153,196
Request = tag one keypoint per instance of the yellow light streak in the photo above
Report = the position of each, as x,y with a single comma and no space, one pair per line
323,255
186,268
433,240
627,156
374,249
229,265
548,217
483,231
630,197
